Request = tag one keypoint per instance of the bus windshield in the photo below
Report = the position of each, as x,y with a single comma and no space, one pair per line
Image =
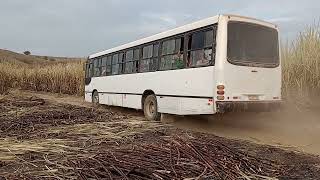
252,45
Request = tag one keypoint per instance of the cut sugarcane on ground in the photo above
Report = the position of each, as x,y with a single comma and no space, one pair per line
44,139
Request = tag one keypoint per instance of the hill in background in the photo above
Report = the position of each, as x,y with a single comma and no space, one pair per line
13,57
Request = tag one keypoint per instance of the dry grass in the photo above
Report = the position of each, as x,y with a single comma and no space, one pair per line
65,78
97,132
301,64
12,148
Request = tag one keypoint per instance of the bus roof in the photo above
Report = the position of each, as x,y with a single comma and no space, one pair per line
172,32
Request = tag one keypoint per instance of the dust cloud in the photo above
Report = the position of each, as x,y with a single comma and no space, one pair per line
291,128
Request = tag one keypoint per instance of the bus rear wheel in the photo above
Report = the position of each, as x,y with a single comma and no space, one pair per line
150,108
95,97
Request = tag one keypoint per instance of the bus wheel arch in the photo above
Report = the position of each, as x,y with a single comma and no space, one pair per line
95,96
150,106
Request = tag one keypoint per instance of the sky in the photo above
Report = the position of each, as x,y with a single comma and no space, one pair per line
82,27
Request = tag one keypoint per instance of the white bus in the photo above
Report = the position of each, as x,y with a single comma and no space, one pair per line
216,65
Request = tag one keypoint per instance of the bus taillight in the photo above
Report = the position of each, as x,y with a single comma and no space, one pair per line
220,90
220,87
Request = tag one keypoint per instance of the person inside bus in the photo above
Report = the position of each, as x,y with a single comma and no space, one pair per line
206,58
178,60
199,58
104,71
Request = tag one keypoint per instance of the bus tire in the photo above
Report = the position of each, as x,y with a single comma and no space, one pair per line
150,108
95,97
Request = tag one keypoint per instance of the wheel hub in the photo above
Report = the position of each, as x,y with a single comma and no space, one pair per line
152,108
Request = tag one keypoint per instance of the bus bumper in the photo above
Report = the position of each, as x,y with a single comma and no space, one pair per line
249,106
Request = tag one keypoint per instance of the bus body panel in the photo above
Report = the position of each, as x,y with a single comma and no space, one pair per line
183,91
244,83
185,106
251,83
132,101
191,106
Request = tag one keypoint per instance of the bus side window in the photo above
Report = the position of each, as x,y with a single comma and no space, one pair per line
104,66
172,54
200,49
96,68
100,66
145,63
93,67
178,57
109,65
155,59
89,70
121,63
128,66
136,58
115,64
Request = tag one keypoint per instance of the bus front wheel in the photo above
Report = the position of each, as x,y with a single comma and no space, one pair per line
150,108
95,97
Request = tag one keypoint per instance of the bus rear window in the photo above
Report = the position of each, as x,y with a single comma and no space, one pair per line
252,45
